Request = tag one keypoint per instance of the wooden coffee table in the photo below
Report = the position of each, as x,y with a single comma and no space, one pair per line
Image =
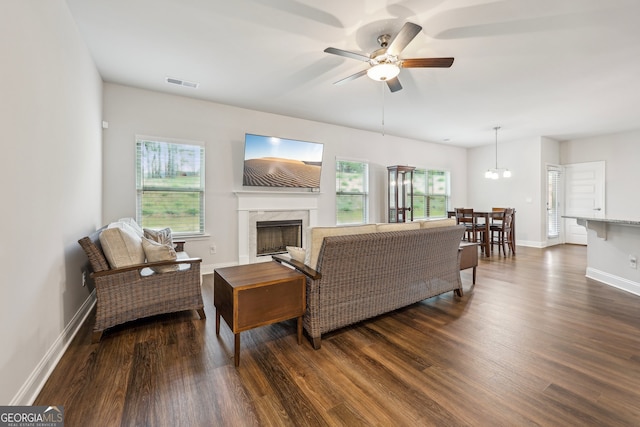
252,295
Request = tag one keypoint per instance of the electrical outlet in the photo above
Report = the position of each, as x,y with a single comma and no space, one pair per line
84,278
212,249
633,261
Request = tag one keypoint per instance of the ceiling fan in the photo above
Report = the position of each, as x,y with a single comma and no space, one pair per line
385,63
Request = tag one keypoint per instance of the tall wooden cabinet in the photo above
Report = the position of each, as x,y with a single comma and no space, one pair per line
400,185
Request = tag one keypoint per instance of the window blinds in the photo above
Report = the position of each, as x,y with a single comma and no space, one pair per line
170,186
553,205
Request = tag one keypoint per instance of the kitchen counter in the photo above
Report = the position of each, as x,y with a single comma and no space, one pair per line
613,249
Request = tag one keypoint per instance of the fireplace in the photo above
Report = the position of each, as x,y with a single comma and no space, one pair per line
273,237
254,207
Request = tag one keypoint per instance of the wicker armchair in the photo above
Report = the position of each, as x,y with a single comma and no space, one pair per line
135,292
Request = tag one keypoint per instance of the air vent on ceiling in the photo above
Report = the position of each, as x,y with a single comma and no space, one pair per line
181,82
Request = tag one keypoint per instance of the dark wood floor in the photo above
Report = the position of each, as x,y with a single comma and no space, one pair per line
532,343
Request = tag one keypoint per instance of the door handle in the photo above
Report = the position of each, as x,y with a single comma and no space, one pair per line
597,209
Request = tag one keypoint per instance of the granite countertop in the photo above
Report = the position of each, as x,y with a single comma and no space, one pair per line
606,220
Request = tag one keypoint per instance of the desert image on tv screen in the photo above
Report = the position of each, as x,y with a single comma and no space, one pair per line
278,162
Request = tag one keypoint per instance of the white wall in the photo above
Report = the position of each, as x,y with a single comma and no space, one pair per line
132,111
621,153
608,258
50,115
522,191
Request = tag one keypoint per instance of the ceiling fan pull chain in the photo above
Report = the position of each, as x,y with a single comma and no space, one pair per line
382,86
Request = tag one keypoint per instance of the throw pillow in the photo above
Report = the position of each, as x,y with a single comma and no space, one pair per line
133,224
296,253
121,248
434,223
124,226
398,226
159,252
161,236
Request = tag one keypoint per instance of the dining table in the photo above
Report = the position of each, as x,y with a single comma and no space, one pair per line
484,225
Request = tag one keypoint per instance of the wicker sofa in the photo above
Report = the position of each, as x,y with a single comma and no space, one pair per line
141,290
361,275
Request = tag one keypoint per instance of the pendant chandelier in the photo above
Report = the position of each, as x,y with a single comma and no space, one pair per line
497,172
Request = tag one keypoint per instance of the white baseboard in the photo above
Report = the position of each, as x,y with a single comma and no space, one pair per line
612,280
32,387
530,243
208,268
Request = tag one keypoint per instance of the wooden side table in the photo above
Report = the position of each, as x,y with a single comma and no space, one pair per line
252,295
469,257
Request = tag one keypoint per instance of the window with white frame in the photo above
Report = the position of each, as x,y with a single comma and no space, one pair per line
430,193
352,191
553,202
170,185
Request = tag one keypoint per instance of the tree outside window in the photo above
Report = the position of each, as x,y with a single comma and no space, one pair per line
430,193
170,186
352,186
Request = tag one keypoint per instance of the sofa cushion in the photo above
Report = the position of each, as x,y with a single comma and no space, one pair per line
125,226
398,226
133,224
121,247
156,251
433,223
161,236
319,233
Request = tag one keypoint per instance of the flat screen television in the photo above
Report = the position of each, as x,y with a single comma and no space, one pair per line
278,162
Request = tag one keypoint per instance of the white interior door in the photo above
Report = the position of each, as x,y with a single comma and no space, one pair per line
584,196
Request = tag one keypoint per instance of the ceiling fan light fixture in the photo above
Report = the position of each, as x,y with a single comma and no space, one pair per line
383,72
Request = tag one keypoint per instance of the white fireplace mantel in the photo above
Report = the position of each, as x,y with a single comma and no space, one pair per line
281,204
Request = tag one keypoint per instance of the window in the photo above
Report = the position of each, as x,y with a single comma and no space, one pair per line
430,193
352,188
553,204
170,185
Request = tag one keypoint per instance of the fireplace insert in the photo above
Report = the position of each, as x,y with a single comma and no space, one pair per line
273,237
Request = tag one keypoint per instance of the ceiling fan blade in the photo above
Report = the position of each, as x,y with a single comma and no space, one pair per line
394,84
348,54
426,62
351,77
407,33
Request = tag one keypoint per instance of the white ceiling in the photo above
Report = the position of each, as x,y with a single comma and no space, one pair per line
563,69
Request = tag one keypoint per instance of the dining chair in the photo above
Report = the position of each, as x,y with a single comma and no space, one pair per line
501,234
496,220
473,230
